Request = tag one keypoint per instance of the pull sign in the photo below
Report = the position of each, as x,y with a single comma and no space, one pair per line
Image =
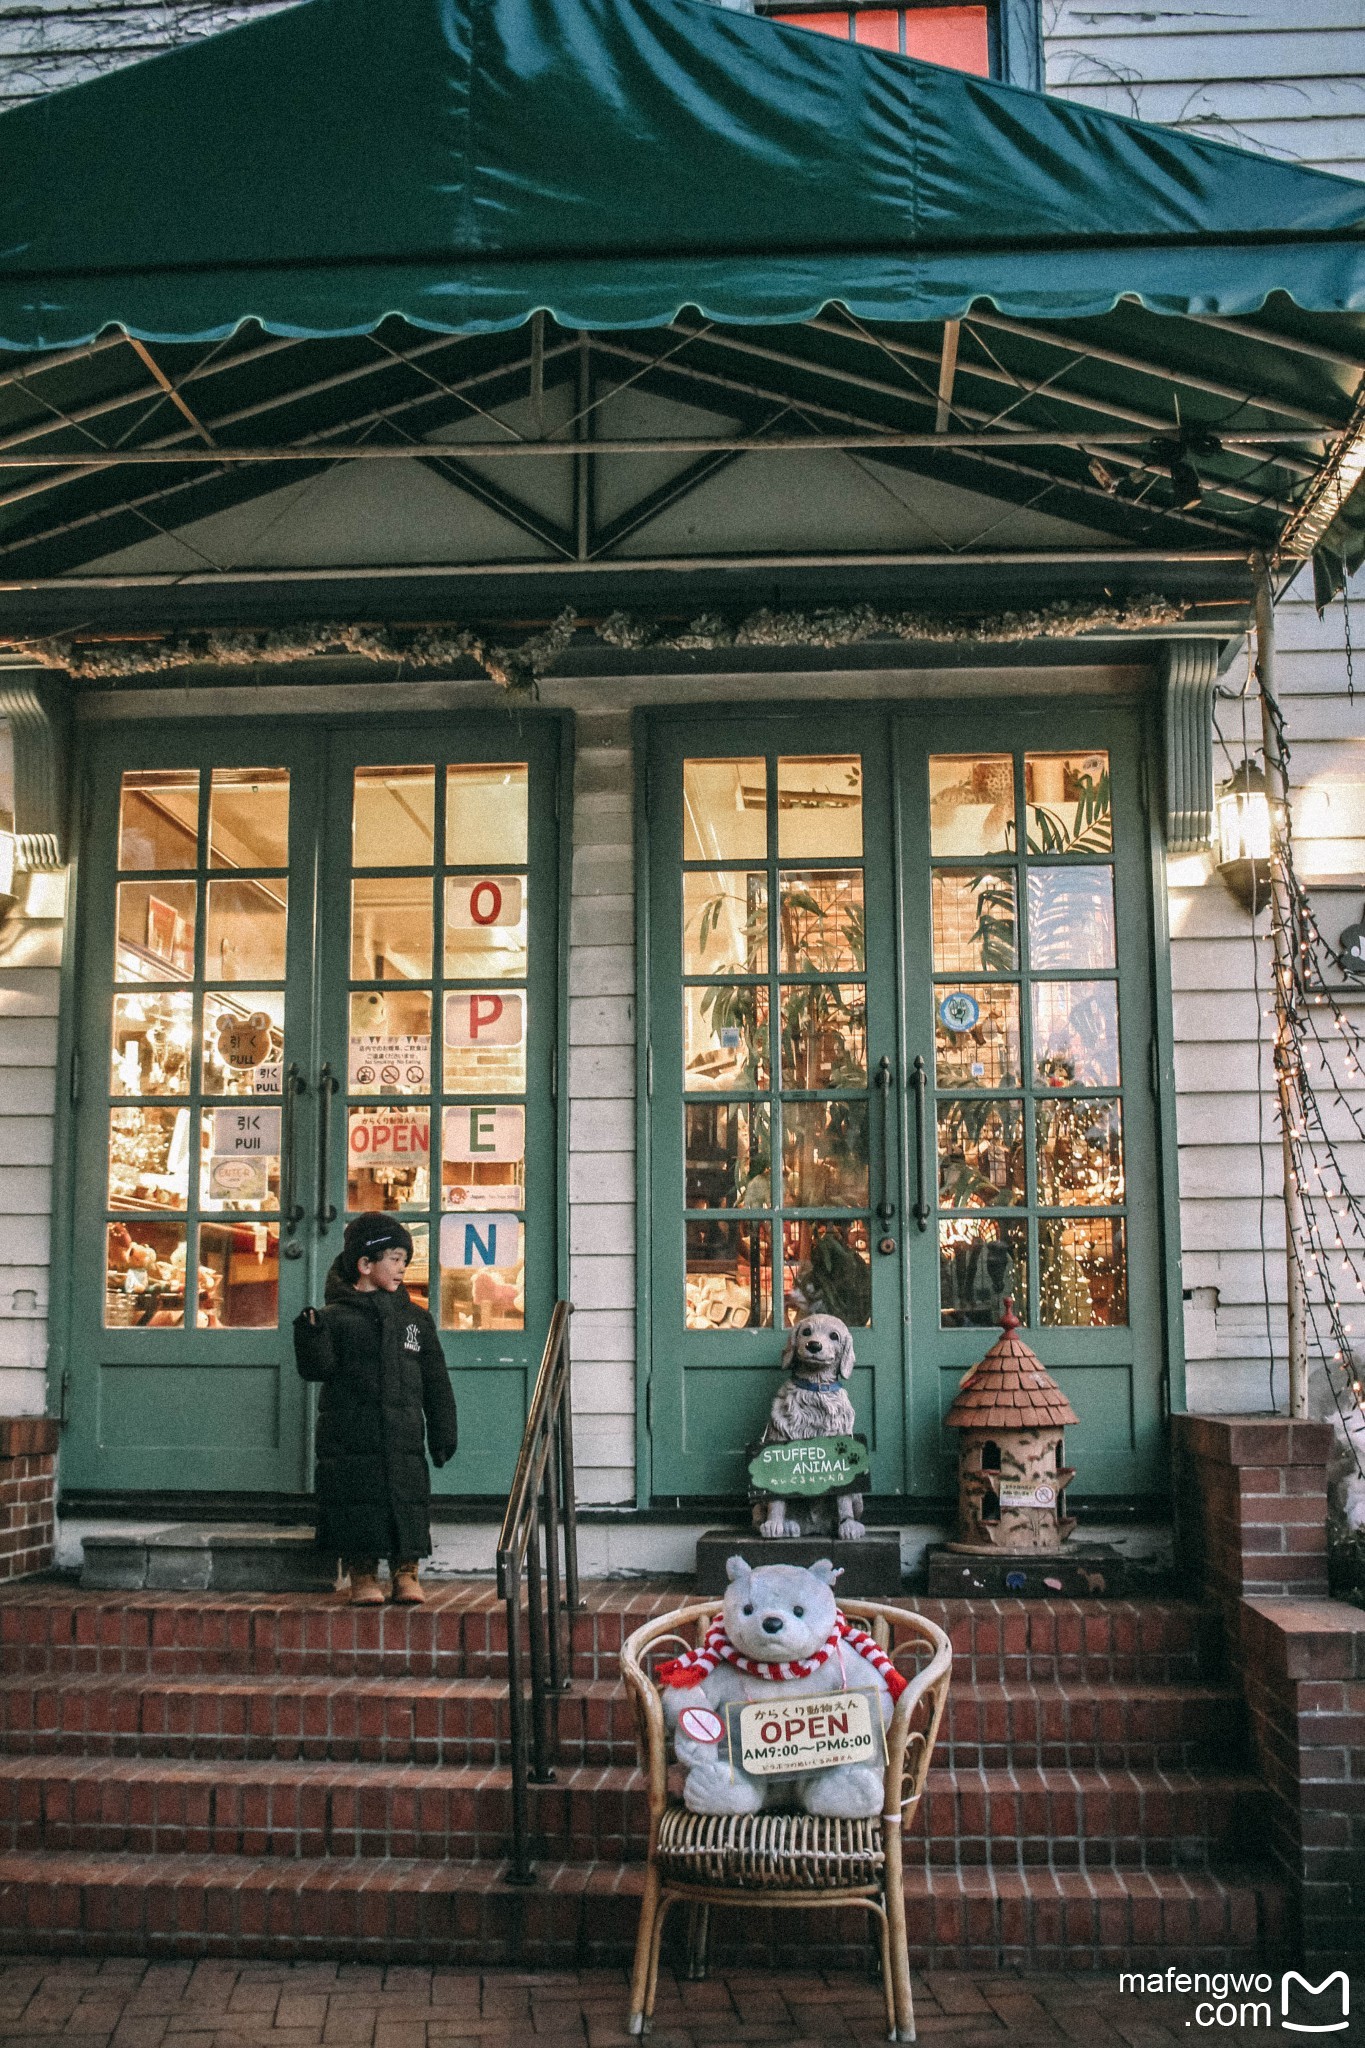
246,1133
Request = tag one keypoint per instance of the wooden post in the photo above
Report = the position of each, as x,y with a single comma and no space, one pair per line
1282,934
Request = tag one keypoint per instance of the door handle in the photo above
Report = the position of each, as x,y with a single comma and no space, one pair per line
327,1088
920,1084
291,1208
886,1208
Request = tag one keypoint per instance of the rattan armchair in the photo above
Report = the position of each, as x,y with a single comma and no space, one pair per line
785,1859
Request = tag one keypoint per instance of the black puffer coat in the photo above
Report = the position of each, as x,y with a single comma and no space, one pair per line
383,1376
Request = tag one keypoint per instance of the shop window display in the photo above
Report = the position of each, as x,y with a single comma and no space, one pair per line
1026,1025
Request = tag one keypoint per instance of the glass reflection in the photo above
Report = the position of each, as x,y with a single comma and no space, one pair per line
728,1155
824,1034
729,1275
155,924
152,1042
980,1155
826,1270
1082,1272
393,818
1080,1153
976,1035
975,921
824,1155
388,1158
1070,918
244,1043
391,928
725,810
249,818
1067,798
149,1155
971,804
486,813
239,1272
725,922
1076,1034
389,1045
158,818
247,931
485,926
725,1037
980,1261
820,807
820,921
145,1275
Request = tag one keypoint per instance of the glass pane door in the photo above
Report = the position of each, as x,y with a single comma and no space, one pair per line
440,1010
770,1122
194,1022
1027,999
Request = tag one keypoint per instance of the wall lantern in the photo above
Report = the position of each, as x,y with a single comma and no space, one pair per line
1242,811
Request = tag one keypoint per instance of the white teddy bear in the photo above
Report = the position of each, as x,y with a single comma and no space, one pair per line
780,1636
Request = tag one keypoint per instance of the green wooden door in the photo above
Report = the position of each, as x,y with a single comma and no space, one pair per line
900,1035
1033,1130
318,974
772,1077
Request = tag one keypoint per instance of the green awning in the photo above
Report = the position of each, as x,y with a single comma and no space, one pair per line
463,163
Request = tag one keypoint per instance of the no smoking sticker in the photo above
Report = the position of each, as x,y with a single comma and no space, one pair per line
700,1724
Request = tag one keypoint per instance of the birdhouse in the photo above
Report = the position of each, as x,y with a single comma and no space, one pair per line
1012,1473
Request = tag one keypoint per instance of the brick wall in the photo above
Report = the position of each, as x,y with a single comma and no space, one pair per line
28,1492
1251,1509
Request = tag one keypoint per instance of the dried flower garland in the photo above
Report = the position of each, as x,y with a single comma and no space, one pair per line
520,667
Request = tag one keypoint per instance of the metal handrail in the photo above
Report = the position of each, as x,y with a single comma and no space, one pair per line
541,1505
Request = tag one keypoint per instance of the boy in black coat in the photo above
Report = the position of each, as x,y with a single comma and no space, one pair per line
384,1387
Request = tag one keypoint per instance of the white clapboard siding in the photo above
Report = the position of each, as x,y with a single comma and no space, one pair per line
30,954
601,1056
45,44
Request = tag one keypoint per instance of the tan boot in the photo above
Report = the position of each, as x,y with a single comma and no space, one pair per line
366,1590
407,1587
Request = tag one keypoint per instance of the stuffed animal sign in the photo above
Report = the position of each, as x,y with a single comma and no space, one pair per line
813,1403
825,1689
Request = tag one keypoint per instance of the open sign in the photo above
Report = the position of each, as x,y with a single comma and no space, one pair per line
790,1735
389,1137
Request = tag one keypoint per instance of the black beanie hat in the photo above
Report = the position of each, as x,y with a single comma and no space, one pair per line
369,1237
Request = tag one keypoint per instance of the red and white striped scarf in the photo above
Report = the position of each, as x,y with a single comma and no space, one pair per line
697,1665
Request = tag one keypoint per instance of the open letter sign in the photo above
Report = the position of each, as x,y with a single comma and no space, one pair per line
389,1135
484,1016
471,1242
476,900
484,1131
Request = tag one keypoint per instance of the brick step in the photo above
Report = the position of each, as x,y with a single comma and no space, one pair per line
432,1721
464,1721
460,1633
1084,1726
582,1914
1006,1819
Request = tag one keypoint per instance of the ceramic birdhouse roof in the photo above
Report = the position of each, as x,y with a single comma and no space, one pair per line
1010,1388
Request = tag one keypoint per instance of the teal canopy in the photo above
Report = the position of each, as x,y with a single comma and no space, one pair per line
462,163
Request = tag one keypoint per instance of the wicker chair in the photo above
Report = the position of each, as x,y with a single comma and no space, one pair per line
785,1859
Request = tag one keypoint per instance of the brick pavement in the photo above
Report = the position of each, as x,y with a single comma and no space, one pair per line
127,2003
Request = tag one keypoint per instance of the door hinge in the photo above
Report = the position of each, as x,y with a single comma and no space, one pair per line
554,1073
64,1399
1154,1067
649,1407
75,1076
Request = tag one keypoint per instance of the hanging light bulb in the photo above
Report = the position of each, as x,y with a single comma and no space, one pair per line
1243,816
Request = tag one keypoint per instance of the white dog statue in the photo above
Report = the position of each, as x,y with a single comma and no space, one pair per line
813,1402
780,1635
